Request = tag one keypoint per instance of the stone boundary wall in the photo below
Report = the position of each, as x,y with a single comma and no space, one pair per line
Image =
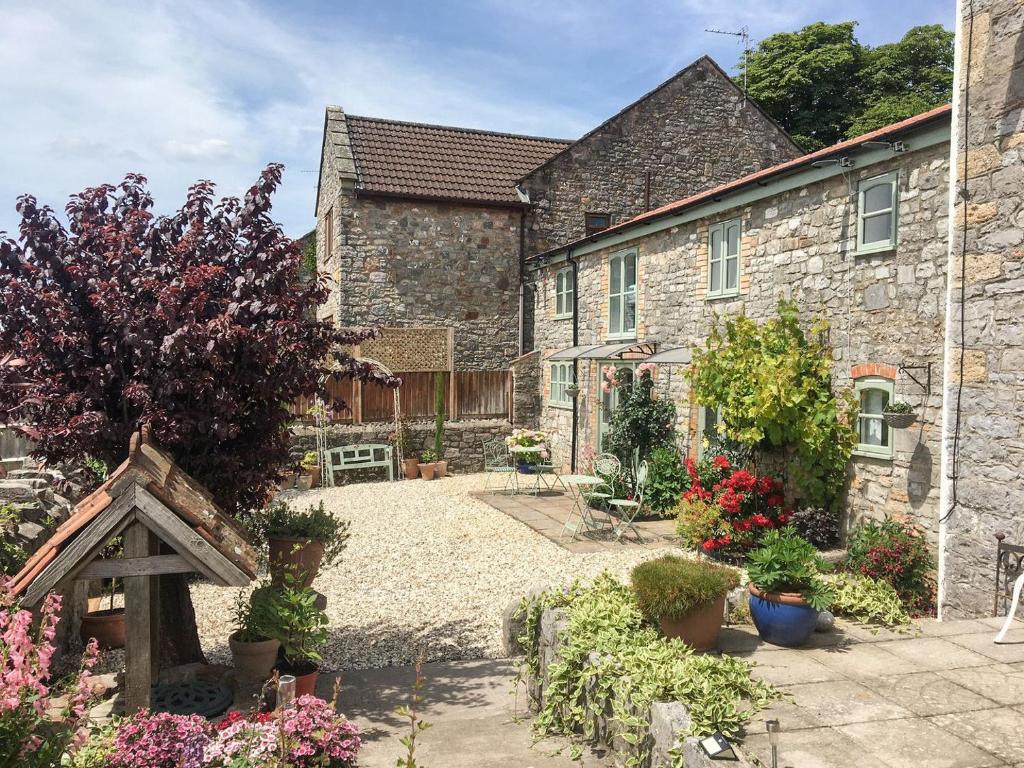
526,379
462,440
669,720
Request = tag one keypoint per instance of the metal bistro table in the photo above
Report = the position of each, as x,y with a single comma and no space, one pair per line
515,451
580,508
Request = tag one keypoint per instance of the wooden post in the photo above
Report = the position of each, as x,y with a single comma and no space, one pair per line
141,620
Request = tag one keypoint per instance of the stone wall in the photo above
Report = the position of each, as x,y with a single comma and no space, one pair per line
462,440
884,309
693,132
984,450
525,383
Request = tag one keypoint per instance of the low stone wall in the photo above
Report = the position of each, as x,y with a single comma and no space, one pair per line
462,439
669,720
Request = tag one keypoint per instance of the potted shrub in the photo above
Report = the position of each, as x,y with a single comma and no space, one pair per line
311,467
287,479
786,588
685,597
298,543
402,441
106,625
528,448
302,631
253,644
428,465
442,464
899,415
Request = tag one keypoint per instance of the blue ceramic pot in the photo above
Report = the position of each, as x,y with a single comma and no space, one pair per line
782,618
527,469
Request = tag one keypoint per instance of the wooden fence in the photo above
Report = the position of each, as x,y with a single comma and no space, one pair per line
477,395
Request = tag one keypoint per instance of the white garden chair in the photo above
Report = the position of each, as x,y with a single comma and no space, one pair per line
1009,561
625,511
608,467
1018,586
498,464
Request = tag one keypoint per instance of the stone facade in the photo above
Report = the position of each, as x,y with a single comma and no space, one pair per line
692,132
884,309
984,447
525,382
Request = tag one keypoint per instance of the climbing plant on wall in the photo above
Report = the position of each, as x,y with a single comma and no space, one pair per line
773,385
641,422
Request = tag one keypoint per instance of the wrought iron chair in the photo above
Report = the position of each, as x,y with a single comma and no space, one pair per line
625,511
1009,564
608,467
497,464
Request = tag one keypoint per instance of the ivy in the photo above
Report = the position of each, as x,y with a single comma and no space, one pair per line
774,387
866,599
613,666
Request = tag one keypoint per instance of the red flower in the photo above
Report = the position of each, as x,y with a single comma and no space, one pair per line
721,462
709,545
761,520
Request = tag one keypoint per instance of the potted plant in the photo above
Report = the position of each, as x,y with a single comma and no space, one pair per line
311,467
786,588
106,625
685,597
287,479
254,644
298,543
442,464
402,441
302,631
428,465
899,415
528,448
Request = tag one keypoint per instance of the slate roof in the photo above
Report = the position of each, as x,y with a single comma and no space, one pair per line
154,470
441,162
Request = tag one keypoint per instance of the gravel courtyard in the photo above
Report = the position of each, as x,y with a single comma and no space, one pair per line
427,567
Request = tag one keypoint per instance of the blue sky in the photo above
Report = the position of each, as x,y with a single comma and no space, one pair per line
216,89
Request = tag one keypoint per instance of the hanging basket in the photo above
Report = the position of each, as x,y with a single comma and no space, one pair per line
572,390
899,420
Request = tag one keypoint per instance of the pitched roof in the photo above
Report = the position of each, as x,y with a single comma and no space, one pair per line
147,470
441,162
759,177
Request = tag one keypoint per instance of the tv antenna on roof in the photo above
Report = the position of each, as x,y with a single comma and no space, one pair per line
744,37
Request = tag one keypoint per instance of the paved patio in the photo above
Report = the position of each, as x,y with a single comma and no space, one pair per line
547,512
944,696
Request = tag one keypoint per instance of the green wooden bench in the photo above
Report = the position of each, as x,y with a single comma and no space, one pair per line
366,455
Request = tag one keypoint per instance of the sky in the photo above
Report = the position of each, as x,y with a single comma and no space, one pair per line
216,89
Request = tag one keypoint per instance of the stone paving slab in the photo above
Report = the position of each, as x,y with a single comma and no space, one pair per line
916,742
928,693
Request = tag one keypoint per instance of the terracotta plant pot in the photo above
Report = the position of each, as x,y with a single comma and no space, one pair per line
411,468
700,628
287,482
300,557
253,660
305,685
782,618
442,468
427,470
314,475
304,482
106,626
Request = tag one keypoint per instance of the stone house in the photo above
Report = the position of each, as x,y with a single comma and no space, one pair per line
856,233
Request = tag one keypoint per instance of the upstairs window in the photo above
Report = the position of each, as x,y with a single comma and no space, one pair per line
724,259
564,293
874,436
622,295
561,378
876,213
595,222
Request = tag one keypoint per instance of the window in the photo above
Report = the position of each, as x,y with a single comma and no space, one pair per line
564,290
707,428
595,222
561,378
876,213
724,259
622,295
874,435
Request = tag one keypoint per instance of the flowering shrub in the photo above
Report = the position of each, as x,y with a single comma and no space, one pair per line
313,736
727,510
529,438
897,553
34,731
160,741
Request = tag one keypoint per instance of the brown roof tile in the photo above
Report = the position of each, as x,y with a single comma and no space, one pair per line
435,161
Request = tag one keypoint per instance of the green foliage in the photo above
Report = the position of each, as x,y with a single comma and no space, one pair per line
786,563
96,750
417,724
822,85
315,524
611,663
774,387
898,553
310,459
866,599
12,557
673,587
257,618
309,267
297,623
899,407
428,457
667,480
640,422
439,417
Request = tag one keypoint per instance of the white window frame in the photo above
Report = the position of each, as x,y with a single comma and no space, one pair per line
561,379
617,261
723,257
892,178
702,426
565,291
866,449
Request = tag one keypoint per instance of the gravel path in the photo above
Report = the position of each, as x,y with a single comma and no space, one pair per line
428,567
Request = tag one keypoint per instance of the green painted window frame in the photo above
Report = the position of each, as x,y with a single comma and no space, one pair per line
721,257
702,426
867,449
561,378
564,290
892,178
617,263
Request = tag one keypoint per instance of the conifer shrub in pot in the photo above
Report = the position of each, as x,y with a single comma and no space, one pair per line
253,644
786,588
685,597
298,543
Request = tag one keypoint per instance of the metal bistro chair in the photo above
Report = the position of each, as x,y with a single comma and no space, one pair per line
1009,582
608,467
626,510
497,463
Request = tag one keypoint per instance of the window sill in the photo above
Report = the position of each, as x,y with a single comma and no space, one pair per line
724,295
875,250
563,317
560,406
621,337
864,454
